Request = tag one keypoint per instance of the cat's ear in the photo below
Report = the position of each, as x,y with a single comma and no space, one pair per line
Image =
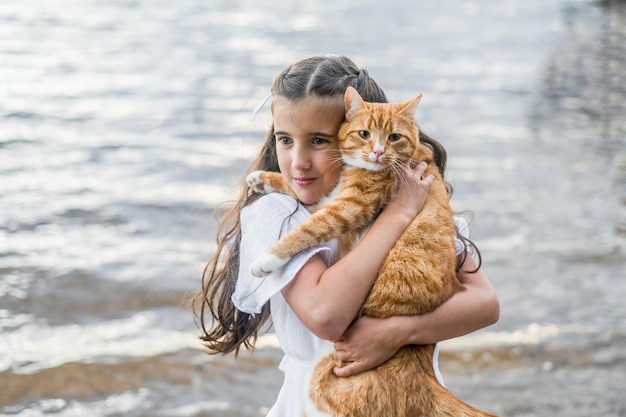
410,107
354,102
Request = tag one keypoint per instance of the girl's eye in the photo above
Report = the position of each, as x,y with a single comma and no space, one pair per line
319,141
284,140
364,134
394,137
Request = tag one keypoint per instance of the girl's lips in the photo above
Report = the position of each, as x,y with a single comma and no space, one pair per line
304,182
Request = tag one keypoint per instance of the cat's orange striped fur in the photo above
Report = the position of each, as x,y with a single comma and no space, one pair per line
417,276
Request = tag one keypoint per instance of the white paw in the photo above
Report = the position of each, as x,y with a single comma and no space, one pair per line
266,264
256,183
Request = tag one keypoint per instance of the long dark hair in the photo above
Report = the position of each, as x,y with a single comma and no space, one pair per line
229,328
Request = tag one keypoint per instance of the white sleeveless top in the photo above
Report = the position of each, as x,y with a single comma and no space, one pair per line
262,224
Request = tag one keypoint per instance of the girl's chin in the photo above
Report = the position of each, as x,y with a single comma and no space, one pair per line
307,198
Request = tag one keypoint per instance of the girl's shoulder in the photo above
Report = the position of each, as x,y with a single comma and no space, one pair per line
276,203
461,225
275,200
272,207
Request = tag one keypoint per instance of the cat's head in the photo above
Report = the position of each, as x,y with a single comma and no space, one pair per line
377,136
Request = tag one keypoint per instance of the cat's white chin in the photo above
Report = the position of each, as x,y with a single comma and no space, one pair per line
359,163
266,264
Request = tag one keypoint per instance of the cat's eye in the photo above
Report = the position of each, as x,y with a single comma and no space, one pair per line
364,134
394,137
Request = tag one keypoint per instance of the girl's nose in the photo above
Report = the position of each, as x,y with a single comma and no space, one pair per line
301,159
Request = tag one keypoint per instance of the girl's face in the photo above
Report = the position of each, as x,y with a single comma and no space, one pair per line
306,144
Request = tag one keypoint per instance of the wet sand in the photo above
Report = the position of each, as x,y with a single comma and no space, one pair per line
532,380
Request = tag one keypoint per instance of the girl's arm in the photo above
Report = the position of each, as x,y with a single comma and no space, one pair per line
326,299
368,342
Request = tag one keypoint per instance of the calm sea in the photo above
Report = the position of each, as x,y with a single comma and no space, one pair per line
124,122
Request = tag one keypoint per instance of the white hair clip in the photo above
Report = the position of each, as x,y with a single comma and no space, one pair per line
260,105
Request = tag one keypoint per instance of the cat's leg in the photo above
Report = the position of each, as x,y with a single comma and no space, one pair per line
266,264
265,182
258,185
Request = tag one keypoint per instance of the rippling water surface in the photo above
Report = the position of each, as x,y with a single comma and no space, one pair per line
123,124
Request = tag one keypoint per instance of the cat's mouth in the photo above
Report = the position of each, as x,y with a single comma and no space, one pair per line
365,163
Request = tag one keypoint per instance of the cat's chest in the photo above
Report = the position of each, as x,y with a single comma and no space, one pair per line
331,196
339,189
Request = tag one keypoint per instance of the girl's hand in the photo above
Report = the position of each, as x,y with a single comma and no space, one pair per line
412,191
367,343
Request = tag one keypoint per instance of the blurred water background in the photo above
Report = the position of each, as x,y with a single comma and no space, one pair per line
124,122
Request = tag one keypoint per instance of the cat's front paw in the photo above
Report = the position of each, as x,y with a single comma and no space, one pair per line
255,181
266,264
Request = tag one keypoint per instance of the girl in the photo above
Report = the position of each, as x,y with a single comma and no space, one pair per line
313,298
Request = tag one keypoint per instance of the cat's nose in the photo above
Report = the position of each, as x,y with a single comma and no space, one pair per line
378,151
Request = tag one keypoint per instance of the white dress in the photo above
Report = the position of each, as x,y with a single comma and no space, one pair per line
262,224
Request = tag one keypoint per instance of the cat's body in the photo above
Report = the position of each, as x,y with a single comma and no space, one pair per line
418,275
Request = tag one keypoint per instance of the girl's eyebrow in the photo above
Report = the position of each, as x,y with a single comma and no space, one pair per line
321,134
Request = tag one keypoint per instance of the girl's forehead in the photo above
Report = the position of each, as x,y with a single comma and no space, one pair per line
309,112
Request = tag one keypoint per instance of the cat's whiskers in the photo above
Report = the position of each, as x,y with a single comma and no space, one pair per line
335,162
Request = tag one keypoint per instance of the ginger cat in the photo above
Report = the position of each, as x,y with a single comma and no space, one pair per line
417,276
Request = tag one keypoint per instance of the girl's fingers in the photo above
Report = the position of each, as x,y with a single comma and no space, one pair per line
416,174
420,168
341,356
428,181
350,369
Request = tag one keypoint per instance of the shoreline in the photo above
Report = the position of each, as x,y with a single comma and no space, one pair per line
494,378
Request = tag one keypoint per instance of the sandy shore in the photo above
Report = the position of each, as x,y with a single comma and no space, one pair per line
547,379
